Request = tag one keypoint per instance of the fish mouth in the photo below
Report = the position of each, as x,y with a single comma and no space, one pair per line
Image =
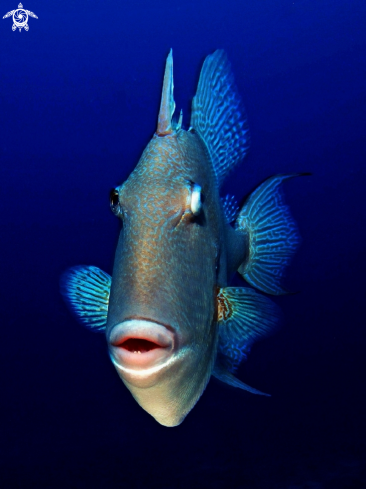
140,344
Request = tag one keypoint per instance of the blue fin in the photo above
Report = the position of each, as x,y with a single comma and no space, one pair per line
218,115
244,316
224,375
230,207
273,236
86,291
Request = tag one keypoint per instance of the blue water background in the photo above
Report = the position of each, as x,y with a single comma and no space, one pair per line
79,97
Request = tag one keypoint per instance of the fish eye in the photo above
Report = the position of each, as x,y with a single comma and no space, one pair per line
114,201
196,199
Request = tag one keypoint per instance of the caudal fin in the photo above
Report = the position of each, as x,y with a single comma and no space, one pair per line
273,235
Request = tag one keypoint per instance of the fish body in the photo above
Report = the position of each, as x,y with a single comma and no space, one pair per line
170,319
165,272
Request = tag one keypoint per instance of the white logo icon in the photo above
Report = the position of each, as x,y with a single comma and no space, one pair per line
20,18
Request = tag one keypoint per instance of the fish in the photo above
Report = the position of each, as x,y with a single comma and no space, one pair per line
171,319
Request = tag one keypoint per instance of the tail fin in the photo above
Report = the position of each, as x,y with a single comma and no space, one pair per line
273,236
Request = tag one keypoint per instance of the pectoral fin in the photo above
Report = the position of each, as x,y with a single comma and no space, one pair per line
244,316
86,291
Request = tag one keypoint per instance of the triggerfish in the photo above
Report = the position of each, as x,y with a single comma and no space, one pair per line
170,318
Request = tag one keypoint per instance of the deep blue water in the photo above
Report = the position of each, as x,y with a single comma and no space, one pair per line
79,97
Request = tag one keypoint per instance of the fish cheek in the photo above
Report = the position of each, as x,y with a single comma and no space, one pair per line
117,288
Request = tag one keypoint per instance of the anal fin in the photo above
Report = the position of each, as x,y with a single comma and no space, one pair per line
225,376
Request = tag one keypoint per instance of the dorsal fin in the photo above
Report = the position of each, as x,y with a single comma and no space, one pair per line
167,104
218,115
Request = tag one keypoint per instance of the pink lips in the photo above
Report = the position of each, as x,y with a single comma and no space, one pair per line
140,344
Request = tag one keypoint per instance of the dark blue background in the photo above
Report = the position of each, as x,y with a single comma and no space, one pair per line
79,97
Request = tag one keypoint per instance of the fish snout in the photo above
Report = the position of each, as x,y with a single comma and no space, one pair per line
139,347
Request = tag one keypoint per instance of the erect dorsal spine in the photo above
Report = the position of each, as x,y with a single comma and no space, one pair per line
167,104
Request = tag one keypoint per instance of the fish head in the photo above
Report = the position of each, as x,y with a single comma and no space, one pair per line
161,329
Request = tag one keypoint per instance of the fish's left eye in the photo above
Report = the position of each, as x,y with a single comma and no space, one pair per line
196,199
114,202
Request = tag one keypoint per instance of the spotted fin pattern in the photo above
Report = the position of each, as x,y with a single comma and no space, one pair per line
230,207
244,316
218,115
86,291
273,236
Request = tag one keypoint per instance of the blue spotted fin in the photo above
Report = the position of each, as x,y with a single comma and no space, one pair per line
243,316
273,236
86,290
230,207
218,115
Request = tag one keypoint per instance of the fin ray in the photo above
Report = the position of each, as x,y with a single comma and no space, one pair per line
273,236
225,376
218,115
244,316
86,291
167,104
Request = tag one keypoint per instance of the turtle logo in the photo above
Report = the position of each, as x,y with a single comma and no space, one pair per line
20,17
